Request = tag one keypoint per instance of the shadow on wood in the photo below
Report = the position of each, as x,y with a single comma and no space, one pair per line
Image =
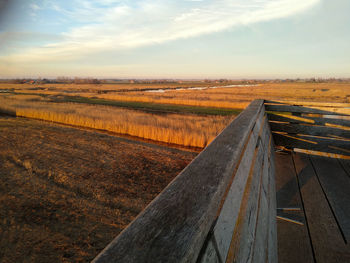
319,130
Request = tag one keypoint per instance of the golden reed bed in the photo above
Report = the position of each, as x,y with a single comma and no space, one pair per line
186,130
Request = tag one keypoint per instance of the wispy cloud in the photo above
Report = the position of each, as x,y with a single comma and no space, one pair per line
34,6
122,24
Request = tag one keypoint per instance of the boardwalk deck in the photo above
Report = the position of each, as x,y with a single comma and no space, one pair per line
313,201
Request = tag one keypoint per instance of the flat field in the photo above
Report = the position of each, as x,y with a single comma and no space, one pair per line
65,193
189,114
190,130
221,95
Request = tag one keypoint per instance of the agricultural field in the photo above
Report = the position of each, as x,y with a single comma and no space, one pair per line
65,193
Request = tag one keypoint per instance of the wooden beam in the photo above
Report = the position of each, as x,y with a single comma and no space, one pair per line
272,254
242,243
260,249
227,218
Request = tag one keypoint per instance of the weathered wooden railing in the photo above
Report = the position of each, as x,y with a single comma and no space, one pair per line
220,208
318,128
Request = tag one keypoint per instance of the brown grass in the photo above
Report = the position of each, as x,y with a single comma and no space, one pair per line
187,130
66,193
233,97
240,97
179,129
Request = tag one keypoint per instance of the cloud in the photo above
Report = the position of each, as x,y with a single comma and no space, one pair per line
34,6
116,24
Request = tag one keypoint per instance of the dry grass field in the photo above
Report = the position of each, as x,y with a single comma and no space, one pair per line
105,87
66,193
180,129
213,95
239,97
39,101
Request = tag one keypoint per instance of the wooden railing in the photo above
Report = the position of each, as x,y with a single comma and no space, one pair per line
317,128
220,208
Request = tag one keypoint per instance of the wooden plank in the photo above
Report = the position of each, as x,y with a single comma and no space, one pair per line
327,241
210,255
292,128
262,227
226,221
241,246
266,133
293,241
260,122
272,251
175,224
313,109
312,143
336,185
321,121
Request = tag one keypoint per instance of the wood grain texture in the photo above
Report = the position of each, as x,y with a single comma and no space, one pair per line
174,226
293,240
260,248
242,244
272,254
327,241
210,255
226,222
336,185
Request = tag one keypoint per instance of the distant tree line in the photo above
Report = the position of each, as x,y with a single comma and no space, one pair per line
89,80
65,80
77,80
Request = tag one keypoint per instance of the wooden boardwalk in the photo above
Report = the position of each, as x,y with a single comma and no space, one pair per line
222,206
313,208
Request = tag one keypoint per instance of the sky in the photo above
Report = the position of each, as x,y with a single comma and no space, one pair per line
175,38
